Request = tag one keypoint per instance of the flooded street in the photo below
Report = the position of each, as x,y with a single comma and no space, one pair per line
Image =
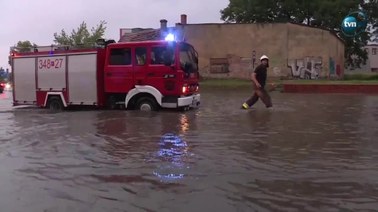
307,153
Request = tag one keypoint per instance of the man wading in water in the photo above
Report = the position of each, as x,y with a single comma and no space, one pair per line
259,80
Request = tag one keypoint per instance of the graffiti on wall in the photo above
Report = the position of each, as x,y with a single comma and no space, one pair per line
306,68
253,59
334,69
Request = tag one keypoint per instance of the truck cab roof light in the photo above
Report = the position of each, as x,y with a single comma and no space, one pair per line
170,37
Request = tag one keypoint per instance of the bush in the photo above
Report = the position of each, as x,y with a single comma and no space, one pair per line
361,77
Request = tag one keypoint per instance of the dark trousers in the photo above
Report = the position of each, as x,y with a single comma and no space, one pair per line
260,93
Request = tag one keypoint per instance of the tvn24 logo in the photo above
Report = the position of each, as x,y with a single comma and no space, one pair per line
354,24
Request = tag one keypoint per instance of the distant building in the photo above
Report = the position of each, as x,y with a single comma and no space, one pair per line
233,50
372,62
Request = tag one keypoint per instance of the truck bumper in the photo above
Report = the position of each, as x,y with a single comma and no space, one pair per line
189,101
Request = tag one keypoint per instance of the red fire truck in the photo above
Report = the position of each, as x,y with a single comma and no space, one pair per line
144,75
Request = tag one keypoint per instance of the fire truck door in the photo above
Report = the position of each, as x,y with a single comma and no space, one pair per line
141,65
119,73
158,74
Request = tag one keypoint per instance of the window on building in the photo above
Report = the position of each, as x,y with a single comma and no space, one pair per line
120,56
374,51
219,65
140,56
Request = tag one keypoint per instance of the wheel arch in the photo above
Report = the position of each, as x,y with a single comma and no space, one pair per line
143,91
57,94
133,101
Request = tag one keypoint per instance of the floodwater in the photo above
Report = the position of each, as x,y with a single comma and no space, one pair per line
308,153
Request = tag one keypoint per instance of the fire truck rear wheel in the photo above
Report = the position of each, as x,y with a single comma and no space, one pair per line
112,102
146,104
55,103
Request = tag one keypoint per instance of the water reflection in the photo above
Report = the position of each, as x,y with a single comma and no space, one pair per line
160,139
184,123
172,153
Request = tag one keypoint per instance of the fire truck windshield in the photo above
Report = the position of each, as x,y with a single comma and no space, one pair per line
188,58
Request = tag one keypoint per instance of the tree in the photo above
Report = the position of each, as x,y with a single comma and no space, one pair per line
372,8
25,46
320,13
2,72
3,75
268,11
81,37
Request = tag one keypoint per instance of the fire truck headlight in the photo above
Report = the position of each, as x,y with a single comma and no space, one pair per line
170,37
185,89
7,86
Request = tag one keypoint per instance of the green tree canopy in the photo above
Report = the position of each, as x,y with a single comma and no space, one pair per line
25,46
326,14
78,38
81,37
371,7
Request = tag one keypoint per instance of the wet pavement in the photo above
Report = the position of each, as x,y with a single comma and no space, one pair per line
308,153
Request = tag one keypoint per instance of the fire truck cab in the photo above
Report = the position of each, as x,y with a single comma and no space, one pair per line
144,75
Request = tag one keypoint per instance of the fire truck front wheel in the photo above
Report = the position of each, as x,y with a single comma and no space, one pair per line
55,103
147,104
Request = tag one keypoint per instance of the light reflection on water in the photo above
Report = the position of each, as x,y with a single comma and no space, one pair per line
172,153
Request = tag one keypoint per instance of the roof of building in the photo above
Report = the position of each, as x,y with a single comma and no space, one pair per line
154,34
303,25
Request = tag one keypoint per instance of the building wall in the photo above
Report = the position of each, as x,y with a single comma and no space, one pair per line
314,53
373,57
226,50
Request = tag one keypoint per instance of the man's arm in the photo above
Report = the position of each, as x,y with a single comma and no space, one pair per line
255,80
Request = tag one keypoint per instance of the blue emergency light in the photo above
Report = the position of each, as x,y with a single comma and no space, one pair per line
170,37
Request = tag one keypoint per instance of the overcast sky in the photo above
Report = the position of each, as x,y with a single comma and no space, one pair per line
38,20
